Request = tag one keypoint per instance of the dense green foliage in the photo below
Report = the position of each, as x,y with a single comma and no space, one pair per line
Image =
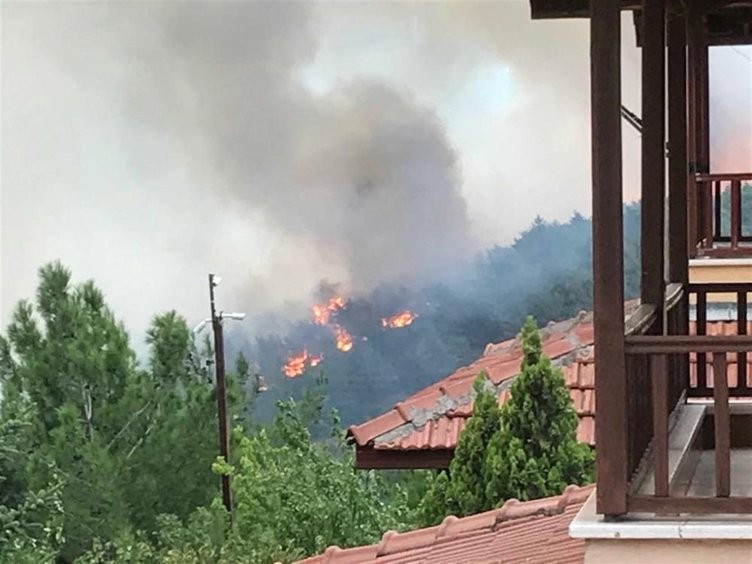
293,497
534,452
466,492
99,456
527,449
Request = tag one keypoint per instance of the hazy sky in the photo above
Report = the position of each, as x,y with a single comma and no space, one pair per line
146,144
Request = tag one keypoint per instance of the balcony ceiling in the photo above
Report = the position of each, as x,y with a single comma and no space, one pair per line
729,21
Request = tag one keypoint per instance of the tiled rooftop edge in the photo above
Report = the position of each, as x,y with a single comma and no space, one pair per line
452,527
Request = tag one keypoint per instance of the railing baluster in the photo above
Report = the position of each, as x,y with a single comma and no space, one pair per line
722,426
736,206
659,388
702,311
716,189
707,216
741,329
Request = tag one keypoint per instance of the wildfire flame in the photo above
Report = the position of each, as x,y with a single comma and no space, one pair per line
296,363
343,339
399,320
315,360
322,312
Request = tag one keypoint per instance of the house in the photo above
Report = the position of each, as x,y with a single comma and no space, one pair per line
517,532
672,377
422,431
674,459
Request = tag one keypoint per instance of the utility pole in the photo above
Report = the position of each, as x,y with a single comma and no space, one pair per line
219,364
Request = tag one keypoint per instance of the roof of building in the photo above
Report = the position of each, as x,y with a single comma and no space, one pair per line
429,422
530,531
433,418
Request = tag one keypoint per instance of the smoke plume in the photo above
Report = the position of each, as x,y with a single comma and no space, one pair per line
281,144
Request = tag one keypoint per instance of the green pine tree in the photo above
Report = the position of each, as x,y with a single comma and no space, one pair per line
466,493
534,453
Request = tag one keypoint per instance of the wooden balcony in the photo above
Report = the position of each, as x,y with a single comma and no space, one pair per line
716,216
687,409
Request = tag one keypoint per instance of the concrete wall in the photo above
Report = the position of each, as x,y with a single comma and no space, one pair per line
614,551
720,270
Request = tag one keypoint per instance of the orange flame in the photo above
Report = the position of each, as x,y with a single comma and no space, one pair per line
322,312
296,363
399,320
342,338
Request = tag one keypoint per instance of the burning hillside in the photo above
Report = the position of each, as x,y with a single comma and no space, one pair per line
326,314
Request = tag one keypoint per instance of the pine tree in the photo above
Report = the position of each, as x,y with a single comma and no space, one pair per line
534,452
433,507
466,491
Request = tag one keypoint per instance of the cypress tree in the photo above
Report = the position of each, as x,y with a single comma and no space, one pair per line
466,492
534,452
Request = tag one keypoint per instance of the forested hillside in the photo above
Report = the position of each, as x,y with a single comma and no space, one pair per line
545,273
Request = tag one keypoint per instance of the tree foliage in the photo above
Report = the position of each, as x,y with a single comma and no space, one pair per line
527,449
534,452
127,443
293,497
466,491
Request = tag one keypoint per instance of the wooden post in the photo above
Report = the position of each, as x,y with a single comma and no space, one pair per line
677,140
653,153
703,97
722,426
608,269
696,194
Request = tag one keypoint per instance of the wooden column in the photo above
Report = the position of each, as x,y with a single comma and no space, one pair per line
696,194
653,152
703,98
677,141
608,268
700,198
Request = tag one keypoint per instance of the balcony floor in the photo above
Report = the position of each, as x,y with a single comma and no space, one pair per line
702,483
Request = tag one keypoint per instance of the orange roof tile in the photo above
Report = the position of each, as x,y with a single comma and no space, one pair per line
531,532
433,418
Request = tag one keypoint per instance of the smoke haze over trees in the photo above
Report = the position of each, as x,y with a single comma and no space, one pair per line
269,143
546,273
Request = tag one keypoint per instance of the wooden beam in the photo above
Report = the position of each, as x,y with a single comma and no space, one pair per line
698,505
677,140
653,154
608,268
675,344
367,458
554,9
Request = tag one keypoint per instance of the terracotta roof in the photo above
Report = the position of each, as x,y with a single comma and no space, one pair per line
720,328
532,532
433,418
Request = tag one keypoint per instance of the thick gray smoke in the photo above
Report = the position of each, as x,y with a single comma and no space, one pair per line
360,185
281,144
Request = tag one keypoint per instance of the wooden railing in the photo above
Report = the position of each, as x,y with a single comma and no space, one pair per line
701,364
658,380
710,233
